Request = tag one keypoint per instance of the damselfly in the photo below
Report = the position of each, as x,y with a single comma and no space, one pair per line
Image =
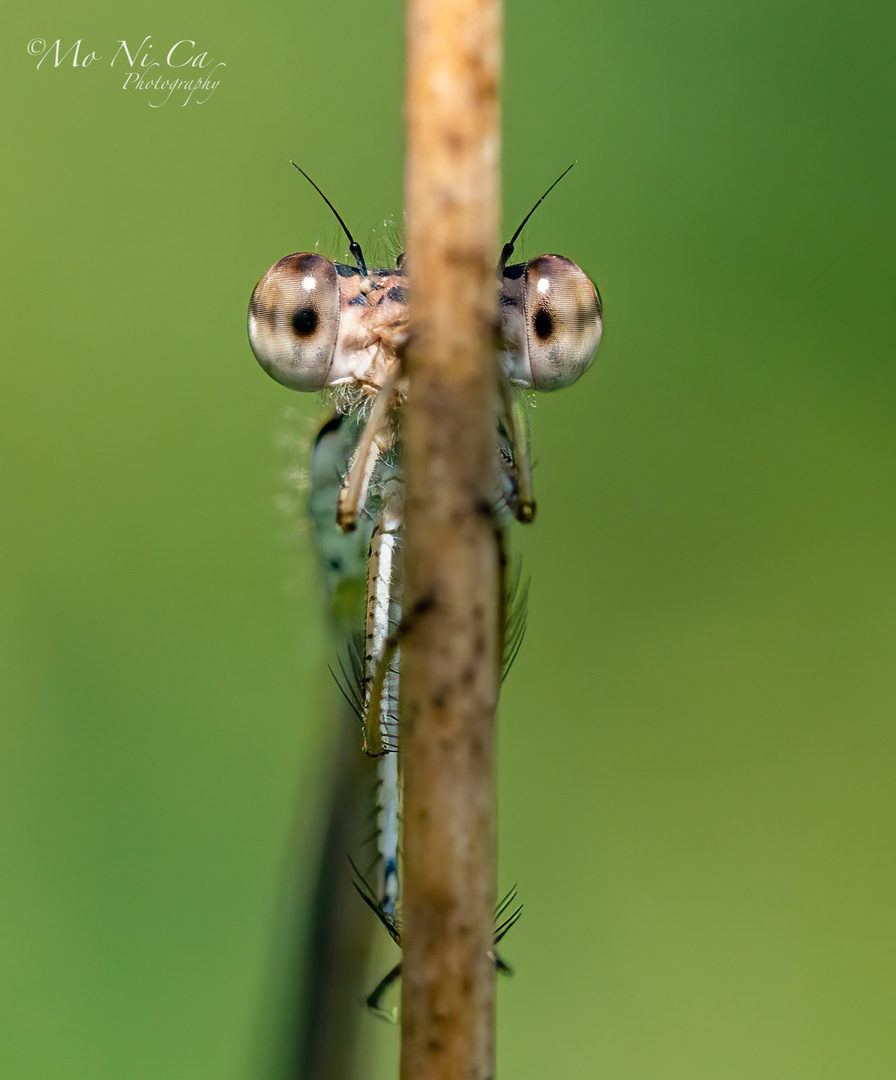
318,325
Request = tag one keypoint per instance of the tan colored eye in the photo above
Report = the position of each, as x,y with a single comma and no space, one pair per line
294,320
551,322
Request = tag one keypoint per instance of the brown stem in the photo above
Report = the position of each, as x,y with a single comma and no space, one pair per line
451,655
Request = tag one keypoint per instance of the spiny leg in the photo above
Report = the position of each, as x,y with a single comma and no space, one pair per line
516,423
375,439
381,676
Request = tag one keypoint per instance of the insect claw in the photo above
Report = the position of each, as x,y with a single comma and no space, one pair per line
373,1001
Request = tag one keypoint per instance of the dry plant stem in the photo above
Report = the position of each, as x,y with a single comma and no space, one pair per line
451,653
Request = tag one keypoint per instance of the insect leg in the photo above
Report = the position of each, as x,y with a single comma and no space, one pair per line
375,438
513,414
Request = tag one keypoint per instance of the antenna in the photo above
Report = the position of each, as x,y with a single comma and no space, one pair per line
507,250
353,245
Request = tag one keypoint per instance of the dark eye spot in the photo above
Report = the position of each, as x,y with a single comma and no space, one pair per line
543,324
305,321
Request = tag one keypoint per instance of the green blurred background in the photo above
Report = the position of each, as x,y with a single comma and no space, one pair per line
697,741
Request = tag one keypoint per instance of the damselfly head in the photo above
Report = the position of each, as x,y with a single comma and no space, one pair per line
550,322
316,325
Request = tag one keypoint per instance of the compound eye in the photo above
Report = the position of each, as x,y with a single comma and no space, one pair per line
294,319
563,321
